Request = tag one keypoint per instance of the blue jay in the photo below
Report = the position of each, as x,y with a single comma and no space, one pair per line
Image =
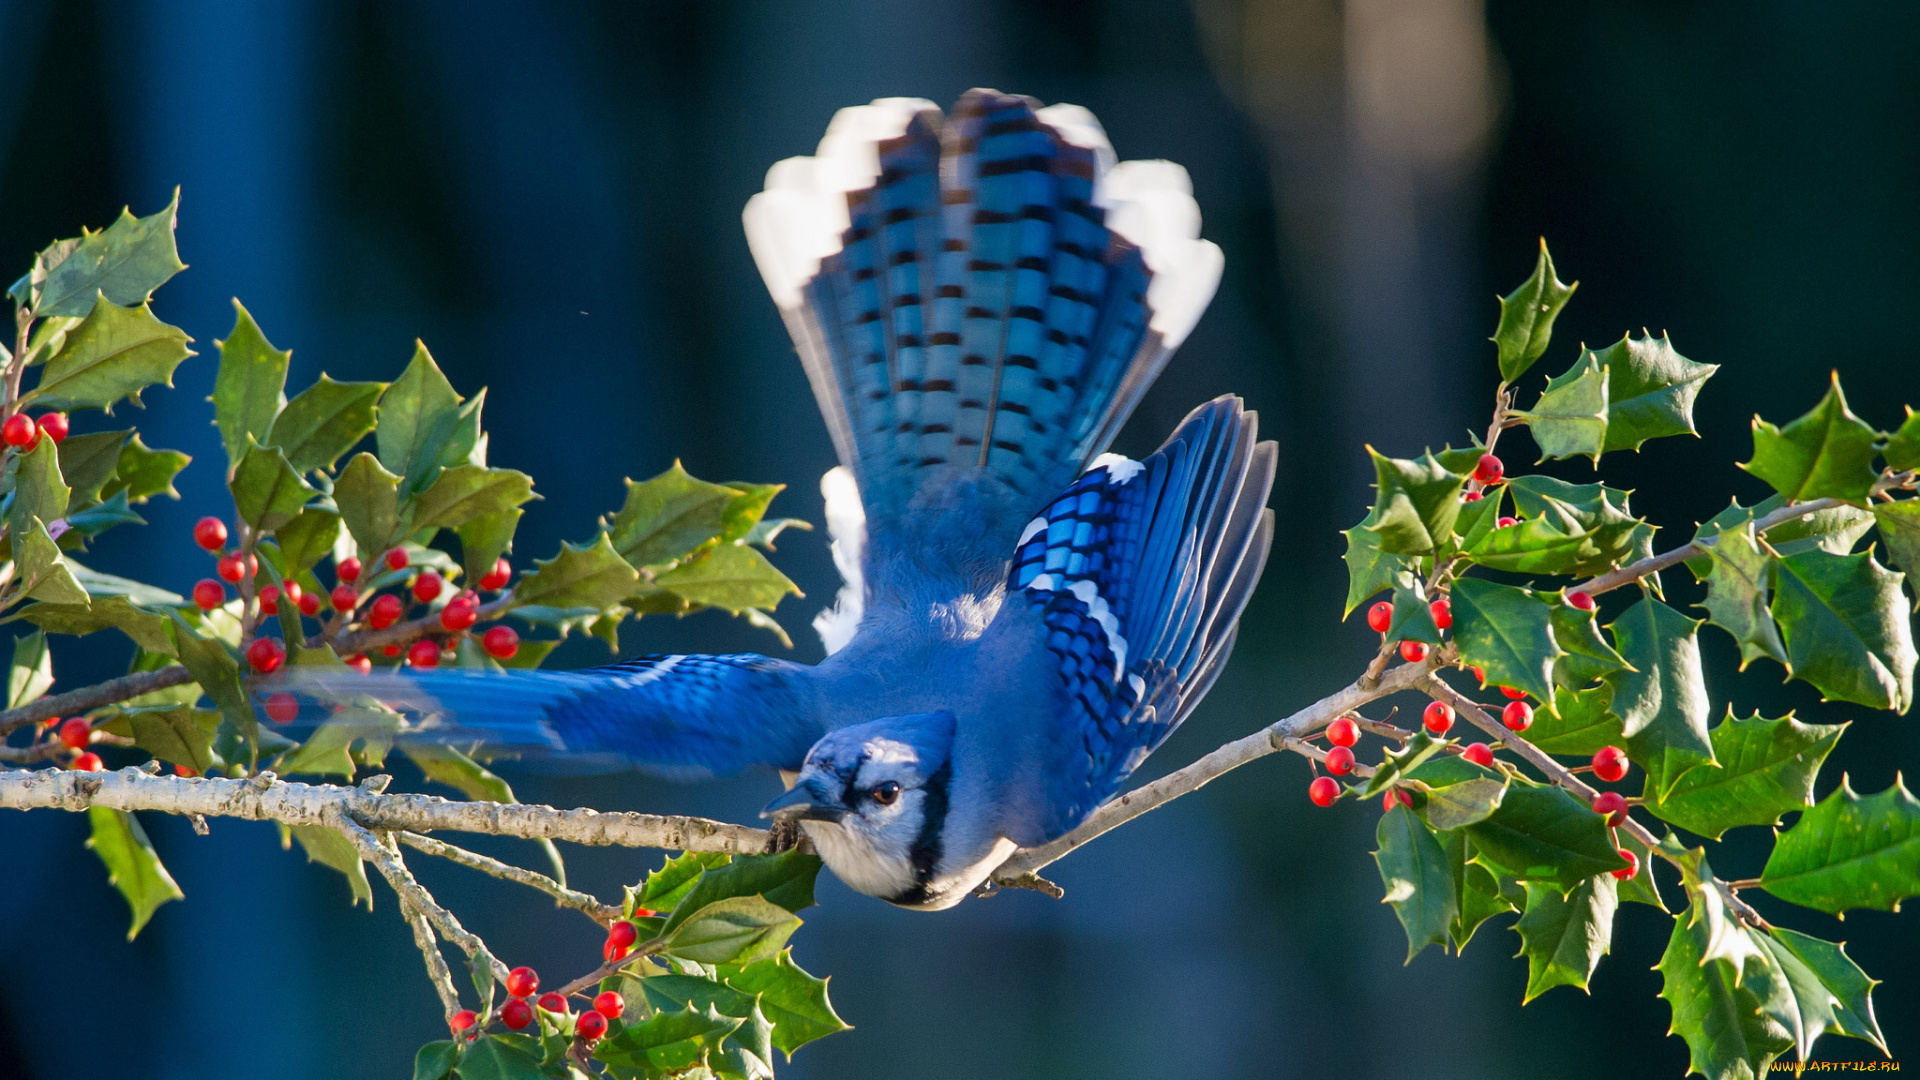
980,299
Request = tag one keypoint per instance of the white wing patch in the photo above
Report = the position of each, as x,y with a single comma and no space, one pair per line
1119,471
847,525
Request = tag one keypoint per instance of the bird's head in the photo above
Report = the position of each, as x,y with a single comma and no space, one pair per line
873,799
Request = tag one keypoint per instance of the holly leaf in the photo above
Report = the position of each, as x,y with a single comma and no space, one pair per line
1544,834
323,422
133,866
667,1042
144,473
465,492
435,1060
418,415
39,491
1598,515
671,515
218,674
666,887
1417,504
1767,768
765,532
1570,419
1846,627
330,849
1826,454
1640,888
1849,852
115,353
732,576
1563,937
785,880
1479,893
1737,588
126,261
1457,805
795,1001
1902,451
1900,527
581,576
369,501
1662,702
501,1057
38,567
1418,881
1398,763
1651,390
307,539
1369,569
30,675
176,734
267,492
1587,656
1508,632
1526,317
87,462
148,629
249,390
1729,1035
484,538
1832,993
737,930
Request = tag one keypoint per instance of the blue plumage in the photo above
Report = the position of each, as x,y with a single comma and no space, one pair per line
979,300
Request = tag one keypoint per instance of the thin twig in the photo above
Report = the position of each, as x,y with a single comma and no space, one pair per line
110,692
392,867
1221,761
592,978
437,971
1565,778
563,896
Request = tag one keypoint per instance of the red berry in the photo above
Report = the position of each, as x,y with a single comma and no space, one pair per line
1612,806
522,982
269,599
426,587
76,733
1503,521
1339,761
283,708
1413,651
344,598
1489,470
385,612
310,604
231,568
516,1014
1323,791
458,615
1518,716
553,1003
501,642
644,913
1472,496
348,571
389,650
266,655
210,533
88,762
209,594
1512,694
361,664
1388,800
591,1026
424,654
253,564
397,559
1479,753
609,1004
462,1020
54,426
290,589
1632,867
1583,601
1343,732
497,577
1438,717
187,771
1380,616
20,430
623,934
1610,763
1442,610
1479,673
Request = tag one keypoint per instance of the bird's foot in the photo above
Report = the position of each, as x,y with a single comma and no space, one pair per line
785,835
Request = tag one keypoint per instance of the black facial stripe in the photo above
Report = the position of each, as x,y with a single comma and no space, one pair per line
925,855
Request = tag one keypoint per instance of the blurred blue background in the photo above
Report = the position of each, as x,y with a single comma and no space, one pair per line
549,195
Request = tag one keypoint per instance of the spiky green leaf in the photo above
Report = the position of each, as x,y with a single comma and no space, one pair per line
1526,317
1828,453
1766,768
1850,852
1737,594
1651,389
1563,937
133,866
1418,882
1715,1008
1544,834
590,576
1846,627
126,262
1570,419
1416,505
1662,703
323,422
1508,632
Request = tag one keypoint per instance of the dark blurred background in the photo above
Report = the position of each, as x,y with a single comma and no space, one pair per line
549,195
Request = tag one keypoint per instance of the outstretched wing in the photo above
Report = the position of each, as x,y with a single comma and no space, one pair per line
683,716
1140,571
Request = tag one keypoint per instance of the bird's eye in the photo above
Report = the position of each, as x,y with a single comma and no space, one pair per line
885,793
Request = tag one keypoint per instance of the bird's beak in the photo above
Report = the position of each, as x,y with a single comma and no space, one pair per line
798,804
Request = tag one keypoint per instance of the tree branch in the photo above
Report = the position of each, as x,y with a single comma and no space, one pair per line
265,798
1274,737
412,894
92,697
437,972
563,896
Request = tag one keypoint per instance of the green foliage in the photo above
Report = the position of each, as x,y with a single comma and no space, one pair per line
1766,768
1526,317
115,353
1651,389
1846,627
1543,834
1563,936
1508,632
1570,419
1419,885
132,865
1716,1004
1849,852
1662,702
1826,454
1418,502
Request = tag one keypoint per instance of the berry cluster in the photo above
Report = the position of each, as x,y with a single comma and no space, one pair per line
522,1008
23,432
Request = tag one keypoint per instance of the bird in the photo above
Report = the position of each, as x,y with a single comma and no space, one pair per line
980,298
